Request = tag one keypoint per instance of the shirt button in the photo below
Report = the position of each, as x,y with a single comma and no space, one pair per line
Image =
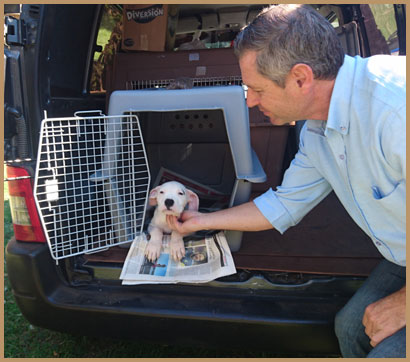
378,243
342,157
343,128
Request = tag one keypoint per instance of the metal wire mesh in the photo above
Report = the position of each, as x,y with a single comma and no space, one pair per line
197,82
92,182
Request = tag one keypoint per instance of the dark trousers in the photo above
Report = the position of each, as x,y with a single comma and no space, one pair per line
385,279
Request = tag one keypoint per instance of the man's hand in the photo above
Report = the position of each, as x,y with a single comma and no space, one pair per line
385,317
244,217
187,223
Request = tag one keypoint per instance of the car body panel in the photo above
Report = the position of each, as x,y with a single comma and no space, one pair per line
284,296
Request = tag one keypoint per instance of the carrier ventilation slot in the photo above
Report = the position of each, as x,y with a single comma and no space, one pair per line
197,82
92,182
34,11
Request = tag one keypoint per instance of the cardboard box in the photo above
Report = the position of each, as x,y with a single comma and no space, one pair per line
145,27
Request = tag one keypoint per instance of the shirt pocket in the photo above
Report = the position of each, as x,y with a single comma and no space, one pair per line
387,219
393,202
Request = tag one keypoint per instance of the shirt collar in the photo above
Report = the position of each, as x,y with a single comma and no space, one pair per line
338,117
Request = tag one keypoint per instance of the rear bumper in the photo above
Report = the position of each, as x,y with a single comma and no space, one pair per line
201,316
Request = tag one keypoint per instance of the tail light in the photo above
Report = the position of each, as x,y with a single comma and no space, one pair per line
26,222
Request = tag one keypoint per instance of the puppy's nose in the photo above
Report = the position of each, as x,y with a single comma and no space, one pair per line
169,203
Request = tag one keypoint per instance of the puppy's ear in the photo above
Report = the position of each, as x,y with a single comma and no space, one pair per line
193,200
153,196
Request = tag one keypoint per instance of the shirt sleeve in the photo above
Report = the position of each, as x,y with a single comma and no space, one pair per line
303,187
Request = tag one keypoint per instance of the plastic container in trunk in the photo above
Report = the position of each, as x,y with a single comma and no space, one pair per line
201,133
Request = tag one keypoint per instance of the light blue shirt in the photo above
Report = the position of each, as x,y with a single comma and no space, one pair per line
360,153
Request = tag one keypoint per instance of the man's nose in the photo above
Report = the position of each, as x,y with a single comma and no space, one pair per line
251,98
168,203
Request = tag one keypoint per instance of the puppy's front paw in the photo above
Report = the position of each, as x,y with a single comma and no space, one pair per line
153,250
177,249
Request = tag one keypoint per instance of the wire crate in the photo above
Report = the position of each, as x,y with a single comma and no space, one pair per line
92,182
196,82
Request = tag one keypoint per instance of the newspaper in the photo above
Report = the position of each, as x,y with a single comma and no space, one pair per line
205,260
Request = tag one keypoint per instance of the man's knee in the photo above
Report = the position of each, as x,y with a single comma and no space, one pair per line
349,329
340,326
347,322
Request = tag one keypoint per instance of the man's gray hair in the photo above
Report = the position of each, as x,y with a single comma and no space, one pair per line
285,35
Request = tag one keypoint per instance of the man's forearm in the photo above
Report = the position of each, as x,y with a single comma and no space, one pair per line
245,217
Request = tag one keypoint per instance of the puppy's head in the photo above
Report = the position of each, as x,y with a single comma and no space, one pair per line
172,197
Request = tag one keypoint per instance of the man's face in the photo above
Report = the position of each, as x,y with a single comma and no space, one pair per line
279,104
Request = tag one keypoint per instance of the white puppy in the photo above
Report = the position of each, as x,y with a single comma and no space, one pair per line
170,199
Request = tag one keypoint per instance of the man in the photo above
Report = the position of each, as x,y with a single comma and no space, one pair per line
353,142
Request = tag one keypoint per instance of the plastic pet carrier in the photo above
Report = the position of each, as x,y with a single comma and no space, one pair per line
200,133
202,68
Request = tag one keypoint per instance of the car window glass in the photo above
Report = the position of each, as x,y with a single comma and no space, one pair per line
381,28
108,40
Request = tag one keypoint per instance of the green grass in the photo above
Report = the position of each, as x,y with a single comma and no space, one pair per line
384,17
104,32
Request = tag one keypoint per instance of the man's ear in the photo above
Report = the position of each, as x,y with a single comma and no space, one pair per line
193,200
301,76
152,200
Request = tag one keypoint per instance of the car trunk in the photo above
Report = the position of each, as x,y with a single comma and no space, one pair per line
324,244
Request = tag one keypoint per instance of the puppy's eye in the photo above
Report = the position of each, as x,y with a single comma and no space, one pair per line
180,193
161,192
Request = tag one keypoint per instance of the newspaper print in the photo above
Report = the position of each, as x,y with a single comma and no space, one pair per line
205,259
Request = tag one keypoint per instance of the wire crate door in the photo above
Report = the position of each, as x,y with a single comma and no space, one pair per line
92,182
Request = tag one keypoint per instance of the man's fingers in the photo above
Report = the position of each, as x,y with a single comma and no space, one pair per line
183,225
172,221
376,336
381,335
376,339
187,215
